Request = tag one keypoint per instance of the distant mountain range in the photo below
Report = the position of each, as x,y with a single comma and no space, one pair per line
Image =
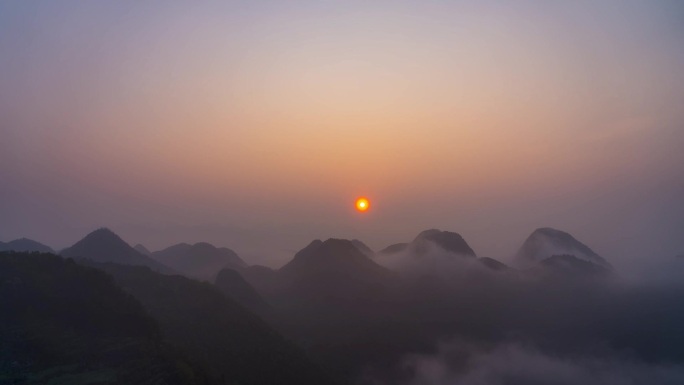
335,267
345,303
430,251
440,253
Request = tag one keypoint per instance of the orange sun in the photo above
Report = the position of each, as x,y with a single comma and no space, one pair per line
362,204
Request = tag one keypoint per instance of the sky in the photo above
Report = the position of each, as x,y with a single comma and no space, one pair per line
255,125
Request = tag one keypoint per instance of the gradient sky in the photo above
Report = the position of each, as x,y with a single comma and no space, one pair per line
254,125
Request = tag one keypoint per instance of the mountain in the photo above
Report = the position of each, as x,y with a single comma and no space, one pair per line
546,242
64,323
25,244
232,284
431,253
426,241
334,268
332,256
142,250
228,342
447,240
201,260
103,245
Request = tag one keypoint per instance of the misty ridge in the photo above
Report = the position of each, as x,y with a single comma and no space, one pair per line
427,311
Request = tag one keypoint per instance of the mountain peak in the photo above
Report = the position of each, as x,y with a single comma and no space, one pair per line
337,244
331,254
103,234
204,245
449,241
103,245
545,242
332,268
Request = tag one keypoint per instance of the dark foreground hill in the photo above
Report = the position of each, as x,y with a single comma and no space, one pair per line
63,323
223,338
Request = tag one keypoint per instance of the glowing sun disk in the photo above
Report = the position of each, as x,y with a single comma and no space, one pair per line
362,204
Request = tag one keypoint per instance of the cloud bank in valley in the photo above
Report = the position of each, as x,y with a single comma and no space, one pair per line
514,364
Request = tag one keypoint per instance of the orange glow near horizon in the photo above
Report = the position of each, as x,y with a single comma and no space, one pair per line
362,204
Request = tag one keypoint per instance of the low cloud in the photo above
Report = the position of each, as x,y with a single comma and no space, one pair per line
431,261
515,364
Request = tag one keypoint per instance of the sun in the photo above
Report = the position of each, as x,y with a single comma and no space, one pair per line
362,204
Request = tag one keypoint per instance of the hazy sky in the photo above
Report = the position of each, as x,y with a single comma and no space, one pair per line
254,125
